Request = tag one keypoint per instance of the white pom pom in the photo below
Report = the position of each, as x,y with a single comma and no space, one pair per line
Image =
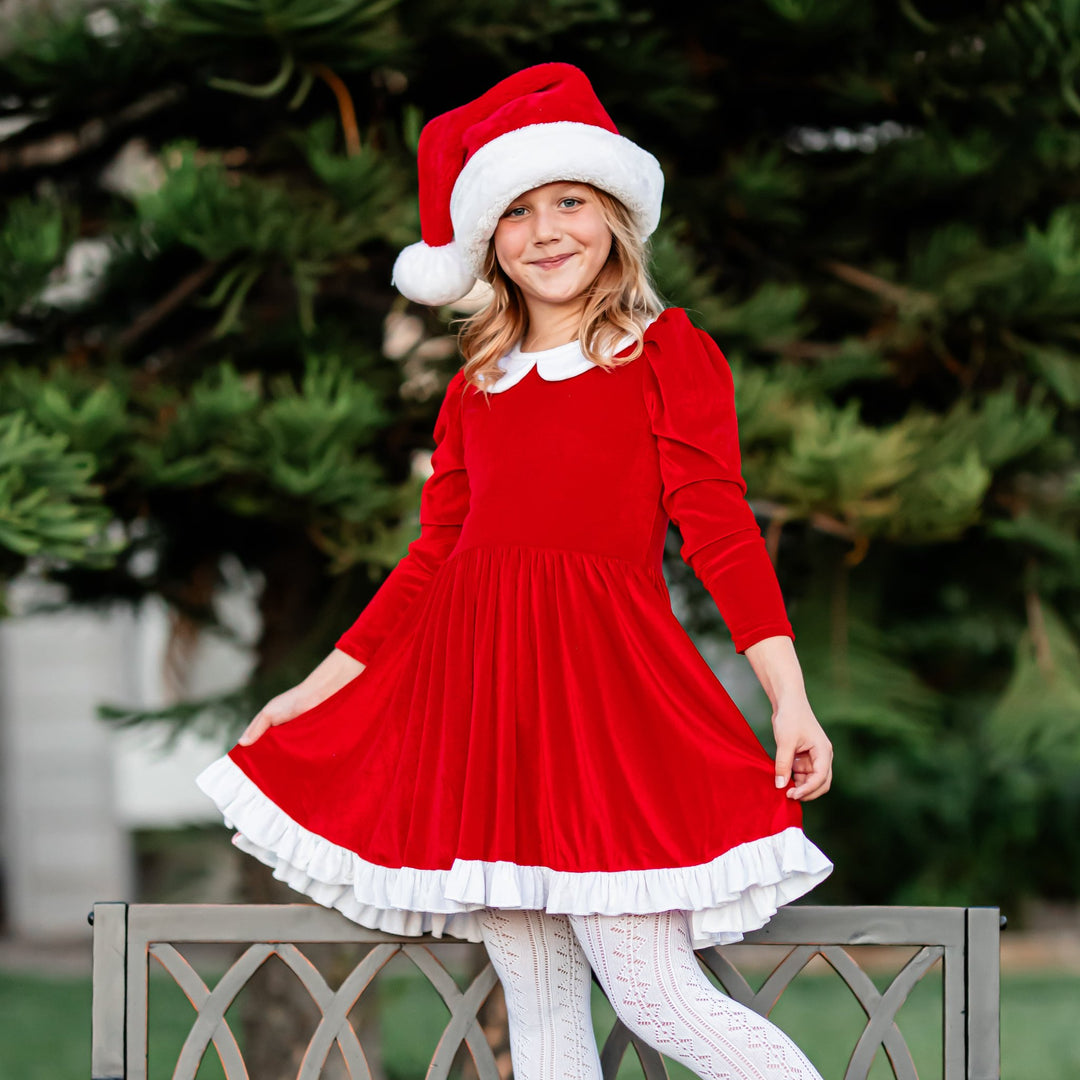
432,275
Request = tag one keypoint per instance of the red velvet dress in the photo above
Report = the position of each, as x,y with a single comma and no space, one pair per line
534,728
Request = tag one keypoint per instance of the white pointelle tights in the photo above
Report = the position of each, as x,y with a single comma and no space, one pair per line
647,967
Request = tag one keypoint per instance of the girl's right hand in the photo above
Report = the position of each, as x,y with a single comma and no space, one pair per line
333,673
278,710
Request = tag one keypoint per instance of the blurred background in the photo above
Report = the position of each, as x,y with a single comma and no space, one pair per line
216,414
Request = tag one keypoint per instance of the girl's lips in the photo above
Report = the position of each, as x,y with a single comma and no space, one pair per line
550,264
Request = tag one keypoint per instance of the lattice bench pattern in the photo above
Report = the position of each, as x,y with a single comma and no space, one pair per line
127,936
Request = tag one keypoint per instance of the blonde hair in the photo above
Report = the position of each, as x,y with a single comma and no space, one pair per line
621,302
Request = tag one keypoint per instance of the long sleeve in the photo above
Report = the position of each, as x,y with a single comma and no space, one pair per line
690,396
444,502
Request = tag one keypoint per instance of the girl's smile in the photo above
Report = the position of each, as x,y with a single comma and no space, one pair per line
553,262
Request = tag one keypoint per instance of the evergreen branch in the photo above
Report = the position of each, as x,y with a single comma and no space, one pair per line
322,14
88,409
917,18
209,712
34,236
831,526
310,27
1037,624
307,80
899,295
267,89
805,350
225,283
1068,89
251,273
781,513
1042,24
1035,718
48,503
412,121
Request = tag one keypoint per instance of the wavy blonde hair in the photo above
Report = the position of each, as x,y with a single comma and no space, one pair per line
622,300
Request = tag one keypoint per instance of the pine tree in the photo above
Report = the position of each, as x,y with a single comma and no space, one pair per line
871,207
203,199
884,219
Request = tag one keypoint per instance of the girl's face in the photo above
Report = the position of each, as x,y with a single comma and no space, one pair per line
552,242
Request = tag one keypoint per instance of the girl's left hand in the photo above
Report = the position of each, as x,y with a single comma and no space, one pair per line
803,751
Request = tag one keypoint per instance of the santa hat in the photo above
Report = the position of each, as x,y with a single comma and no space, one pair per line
540,125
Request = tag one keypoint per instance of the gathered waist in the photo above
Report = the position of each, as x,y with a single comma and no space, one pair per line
537,553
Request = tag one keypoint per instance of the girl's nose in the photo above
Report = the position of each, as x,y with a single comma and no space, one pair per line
545,226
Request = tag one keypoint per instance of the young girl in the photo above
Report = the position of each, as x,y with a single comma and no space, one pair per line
516,741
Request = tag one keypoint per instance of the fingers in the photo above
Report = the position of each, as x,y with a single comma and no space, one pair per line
813,774
815,783
257,726
785,755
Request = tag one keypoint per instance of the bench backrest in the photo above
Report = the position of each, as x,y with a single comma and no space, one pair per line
127,936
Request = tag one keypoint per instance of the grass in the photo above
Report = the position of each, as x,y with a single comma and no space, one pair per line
45,1027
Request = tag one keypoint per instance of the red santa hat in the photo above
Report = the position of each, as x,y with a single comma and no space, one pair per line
540,125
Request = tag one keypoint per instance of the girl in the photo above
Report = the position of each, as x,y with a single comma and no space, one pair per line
516,741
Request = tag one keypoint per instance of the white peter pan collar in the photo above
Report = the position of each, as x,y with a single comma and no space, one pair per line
552,365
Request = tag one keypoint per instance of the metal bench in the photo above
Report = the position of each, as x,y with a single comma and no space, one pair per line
126,936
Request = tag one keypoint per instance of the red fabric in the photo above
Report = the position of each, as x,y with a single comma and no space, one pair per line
690,400
690,396
541,94
530,695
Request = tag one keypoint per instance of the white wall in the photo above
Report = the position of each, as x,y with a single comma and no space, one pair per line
71,786
63,845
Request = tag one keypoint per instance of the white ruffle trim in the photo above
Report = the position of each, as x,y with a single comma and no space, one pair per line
728,897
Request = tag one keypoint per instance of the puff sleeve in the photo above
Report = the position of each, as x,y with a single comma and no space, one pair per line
690,397
444,502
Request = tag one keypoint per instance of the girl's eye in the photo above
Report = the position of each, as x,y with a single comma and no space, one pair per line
571,199
515,211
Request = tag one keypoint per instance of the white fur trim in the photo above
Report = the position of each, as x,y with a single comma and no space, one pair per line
735,893
432,275
541,154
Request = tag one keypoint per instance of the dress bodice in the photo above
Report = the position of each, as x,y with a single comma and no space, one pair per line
567,463
571,457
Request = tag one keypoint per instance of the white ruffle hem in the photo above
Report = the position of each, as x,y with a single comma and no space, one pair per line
735,893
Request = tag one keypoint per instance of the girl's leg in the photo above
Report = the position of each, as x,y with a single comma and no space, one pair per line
647,967
547,983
